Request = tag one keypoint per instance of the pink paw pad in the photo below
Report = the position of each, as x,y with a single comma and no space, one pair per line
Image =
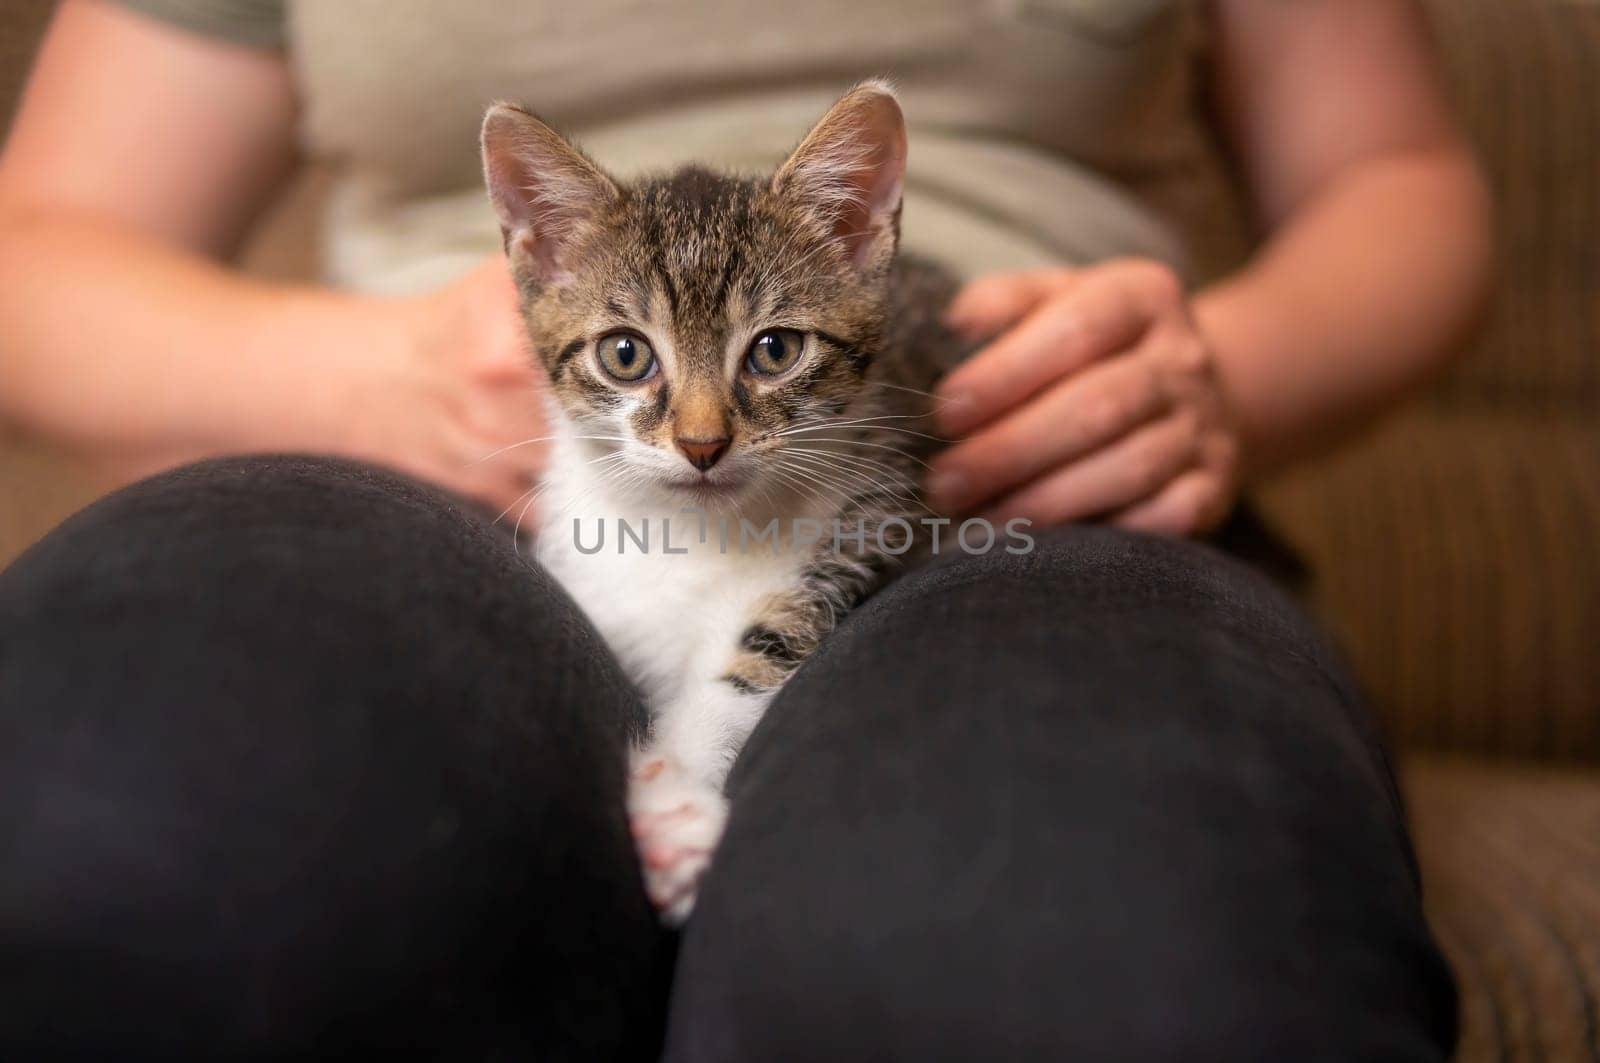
676,823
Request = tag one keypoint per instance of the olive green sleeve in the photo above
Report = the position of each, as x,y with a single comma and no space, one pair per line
257,23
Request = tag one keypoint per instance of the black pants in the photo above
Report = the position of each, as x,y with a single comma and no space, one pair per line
300,760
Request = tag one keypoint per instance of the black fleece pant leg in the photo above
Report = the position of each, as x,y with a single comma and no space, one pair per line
299,760
1114,800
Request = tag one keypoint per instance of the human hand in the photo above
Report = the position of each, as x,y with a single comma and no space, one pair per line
461,406
1098,399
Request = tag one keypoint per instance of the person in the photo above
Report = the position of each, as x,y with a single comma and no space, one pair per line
301,758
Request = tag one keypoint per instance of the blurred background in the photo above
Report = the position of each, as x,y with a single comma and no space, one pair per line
1455,545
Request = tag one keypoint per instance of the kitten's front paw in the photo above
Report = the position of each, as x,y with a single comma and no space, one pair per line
677,822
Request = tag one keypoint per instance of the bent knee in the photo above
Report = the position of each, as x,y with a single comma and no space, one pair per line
253,533
1091,567
1097,642
282,580
1083,600
240,517
262,696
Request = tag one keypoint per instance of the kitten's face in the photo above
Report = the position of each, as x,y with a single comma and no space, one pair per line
703,318
691,325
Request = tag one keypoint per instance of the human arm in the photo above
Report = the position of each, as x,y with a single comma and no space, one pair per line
139,158
1113,392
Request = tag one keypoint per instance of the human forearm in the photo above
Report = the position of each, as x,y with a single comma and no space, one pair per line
142,356
119,345
122,335
1359,295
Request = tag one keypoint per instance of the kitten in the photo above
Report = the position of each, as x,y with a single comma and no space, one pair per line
747,350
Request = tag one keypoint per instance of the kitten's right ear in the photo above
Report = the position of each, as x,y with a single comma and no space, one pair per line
544,190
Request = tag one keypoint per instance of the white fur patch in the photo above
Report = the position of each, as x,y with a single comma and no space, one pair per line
674,620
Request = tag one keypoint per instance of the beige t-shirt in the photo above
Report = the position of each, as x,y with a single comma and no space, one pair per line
1041,131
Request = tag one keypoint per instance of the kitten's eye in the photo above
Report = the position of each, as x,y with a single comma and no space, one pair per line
775,351
626,357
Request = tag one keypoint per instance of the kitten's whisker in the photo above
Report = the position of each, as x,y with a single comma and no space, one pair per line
873,417
577,500
908,432
850,480
829,486
765,490
860,480
804,489
854,460
611,461
861,477
857,422
863,408
516,531
532,490
539,489
913,391
540,439
842,480
860,406
870,428
862,443
839,478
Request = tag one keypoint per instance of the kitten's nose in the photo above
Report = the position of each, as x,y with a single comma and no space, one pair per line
703,453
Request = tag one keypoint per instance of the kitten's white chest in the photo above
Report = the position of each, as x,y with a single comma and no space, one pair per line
672,618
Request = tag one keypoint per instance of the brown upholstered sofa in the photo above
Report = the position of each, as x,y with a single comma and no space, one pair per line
1457,546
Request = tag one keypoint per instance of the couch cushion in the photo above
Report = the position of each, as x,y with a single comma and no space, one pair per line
1454,556
1526,77
1511,874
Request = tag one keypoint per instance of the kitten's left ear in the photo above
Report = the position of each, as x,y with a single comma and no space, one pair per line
850,169
545,191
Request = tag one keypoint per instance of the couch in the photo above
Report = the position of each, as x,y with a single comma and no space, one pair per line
1456,546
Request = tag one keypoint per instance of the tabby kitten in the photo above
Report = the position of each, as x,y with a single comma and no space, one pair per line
723,353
